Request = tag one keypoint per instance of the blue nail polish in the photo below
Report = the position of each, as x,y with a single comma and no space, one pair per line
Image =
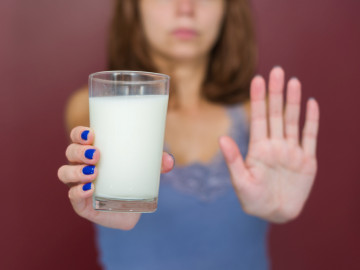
89,153
86,187
88,170
84,135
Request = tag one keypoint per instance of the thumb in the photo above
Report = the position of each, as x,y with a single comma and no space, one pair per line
234,161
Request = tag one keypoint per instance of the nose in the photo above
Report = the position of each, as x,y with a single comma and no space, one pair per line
185,7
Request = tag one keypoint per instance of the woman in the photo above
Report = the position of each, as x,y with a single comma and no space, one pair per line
207,46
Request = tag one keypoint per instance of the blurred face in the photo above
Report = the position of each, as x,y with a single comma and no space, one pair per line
182,29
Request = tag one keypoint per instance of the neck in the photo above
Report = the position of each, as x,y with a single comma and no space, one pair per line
188,77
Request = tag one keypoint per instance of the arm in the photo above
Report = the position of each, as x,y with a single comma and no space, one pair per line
77,110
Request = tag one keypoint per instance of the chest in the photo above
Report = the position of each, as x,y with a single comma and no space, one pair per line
193,137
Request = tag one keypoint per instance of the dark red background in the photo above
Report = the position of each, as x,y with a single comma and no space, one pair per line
47,50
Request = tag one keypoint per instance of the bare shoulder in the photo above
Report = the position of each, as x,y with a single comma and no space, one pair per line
247,108
77,109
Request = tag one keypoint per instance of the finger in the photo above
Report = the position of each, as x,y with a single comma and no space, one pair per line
82,135
233,160
258,123
79,195
82,154
311,127
292,111
168,163
276,89
77,173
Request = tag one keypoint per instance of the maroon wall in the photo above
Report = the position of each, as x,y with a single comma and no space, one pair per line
47,49
319,41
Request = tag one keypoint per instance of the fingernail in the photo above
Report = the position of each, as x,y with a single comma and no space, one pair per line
86,187
294,78
312,98
277,66
84,135
89,153
88,169
172,158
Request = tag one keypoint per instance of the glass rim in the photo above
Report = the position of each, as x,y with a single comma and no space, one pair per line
162,77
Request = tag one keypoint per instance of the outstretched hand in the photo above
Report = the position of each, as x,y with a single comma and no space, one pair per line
276,178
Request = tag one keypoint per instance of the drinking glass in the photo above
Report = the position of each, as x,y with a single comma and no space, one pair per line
128,113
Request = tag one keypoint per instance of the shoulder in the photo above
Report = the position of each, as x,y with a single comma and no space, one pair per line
240,111
247,107
77,109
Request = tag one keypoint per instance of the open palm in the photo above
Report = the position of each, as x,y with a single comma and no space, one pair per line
276,177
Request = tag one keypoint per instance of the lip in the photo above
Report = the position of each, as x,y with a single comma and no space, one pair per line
185,33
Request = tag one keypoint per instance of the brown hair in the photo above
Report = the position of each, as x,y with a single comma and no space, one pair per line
232,59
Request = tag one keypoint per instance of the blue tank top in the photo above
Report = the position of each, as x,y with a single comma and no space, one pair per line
199,223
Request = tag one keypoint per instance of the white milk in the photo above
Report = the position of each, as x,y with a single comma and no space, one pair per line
129,132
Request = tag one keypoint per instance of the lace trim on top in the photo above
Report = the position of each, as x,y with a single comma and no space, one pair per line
210,180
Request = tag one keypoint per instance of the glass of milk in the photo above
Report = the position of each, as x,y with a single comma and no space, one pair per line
127,113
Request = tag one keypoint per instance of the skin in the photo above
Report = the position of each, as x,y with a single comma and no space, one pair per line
275,179
160,18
